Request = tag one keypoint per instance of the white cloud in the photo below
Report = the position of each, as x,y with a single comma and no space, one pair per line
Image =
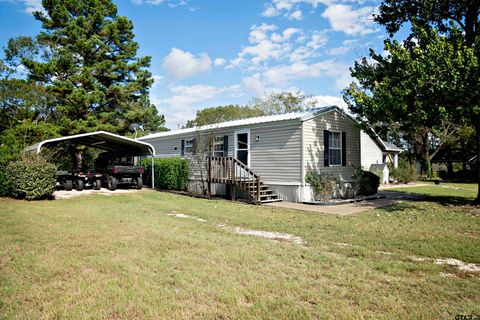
338,51
290,8
286,35
260,33
282,76
219,62
254,85
318,39
181,64
269,11
267,45
153,2
296,15
264,45
325,101
170,3
350,42
344,18
30,5
184,101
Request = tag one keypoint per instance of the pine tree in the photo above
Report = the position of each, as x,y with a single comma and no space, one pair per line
86,58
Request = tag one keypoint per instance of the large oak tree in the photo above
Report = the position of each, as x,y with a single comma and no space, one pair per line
431,80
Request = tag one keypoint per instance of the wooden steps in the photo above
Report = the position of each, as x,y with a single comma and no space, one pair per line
232,172
266,194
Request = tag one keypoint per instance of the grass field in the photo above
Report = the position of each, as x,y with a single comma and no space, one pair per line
445,193
125,257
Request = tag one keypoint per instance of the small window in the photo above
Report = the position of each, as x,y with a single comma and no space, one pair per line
217,147
189,146
335,148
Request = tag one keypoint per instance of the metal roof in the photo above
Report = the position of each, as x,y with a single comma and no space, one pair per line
101,140
391,147
302,116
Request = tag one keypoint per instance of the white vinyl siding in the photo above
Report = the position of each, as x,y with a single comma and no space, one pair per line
275,151
371,153
314,148
274,148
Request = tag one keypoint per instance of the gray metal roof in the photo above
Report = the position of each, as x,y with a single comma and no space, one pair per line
101,140
391,147
302,116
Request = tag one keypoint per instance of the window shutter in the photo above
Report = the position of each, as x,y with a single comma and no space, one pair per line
344,149
326,148
194,145
225,146
182,148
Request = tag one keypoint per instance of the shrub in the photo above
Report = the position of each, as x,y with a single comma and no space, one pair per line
406,172
367,182
378,173
9,151
31,178
323,185
170,173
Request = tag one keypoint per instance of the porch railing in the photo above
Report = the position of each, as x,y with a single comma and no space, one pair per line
231,171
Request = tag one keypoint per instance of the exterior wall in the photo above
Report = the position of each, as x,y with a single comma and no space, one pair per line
370,151
275,156
290,193
313,144
276,152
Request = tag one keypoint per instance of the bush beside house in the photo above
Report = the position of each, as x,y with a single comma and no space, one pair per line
366,182
170,173
323,185
327,187
405,173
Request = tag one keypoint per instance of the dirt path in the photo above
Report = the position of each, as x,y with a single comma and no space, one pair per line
62,194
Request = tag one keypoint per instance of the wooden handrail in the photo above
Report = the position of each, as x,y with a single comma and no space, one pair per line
237,162
223,170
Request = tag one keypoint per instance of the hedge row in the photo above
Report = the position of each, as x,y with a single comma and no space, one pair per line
170,173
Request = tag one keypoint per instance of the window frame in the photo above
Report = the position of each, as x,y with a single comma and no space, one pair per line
189,146
218,141
340,148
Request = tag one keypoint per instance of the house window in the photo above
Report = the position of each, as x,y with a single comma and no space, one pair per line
189,146
335,148
218,147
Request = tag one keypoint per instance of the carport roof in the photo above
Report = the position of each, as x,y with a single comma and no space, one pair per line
101,140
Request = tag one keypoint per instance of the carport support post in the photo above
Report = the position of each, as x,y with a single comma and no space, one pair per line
153,172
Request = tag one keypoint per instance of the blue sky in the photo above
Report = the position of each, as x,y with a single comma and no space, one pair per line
208,53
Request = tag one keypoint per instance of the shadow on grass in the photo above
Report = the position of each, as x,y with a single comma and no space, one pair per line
440,199
399,206
449,200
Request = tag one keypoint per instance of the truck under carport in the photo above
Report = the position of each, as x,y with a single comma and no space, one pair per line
104,141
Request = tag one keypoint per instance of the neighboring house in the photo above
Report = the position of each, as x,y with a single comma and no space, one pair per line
278,150
375,153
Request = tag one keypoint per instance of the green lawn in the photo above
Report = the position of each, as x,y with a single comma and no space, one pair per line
445,193
460,185
124,257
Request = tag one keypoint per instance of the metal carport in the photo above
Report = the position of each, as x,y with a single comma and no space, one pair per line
105,141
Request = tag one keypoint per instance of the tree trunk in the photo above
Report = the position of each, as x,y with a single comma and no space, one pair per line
78,160
477,200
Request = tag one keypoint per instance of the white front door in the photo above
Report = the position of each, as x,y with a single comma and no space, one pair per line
242,146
